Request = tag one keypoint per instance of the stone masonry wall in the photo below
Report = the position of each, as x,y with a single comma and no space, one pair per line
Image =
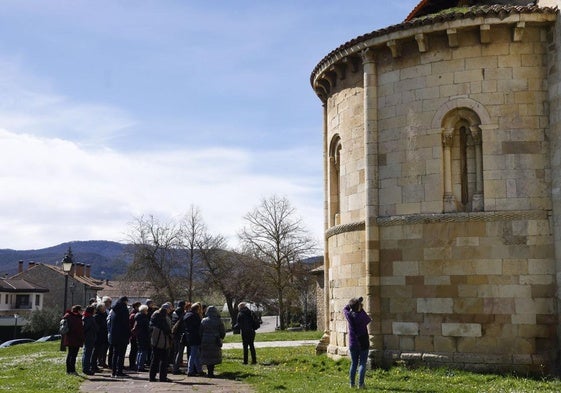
506,79
475,290
478,293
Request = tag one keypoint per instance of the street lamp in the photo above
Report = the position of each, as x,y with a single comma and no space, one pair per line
66,267
16,325
306,302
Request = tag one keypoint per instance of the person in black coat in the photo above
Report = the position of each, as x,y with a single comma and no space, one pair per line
101,342
118,335
192,323
161,341
90,335
142,335
246,325
178,345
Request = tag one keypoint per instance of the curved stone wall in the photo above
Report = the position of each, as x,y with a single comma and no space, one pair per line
451,242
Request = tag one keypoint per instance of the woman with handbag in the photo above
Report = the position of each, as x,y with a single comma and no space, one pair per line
212,334
161,341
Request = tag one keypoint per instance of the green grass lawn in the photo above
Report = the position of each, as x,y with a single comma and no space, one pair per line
278,336
35,367
40,367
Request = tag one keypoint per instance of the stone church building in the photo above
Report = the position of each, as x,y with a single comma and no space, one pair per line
442,160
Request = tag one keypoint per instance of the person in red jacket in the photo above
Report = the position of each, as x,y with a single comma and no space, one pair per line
74,339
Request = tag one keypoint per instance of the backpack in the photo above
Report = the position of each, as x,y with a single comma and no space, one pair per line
177,327
63,327
256,321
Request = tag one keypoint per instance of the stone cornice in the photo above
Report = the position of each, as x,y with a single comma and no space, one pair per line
463,217
343,228
323,77
431,218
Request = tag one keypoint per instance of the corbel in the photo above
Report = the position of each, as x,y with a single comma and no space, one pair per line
485,33
422,42
395,47
340,70
518,31
452,38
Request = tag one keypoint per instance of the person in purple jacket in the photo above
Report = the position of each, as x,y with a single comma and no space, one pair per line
359,342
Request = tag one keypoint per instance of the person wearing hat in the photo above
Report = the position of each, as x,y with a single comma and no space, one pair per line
118,335
359,342
161,341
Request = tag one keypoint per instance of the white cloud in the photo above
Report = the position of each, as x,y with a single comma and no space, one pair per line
56,191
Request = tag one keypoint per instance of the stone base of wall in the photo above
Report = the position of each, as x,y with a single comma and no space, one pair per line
536,365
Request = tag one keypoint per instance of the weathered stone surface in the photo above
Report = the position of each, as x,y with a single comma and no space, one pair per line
450,155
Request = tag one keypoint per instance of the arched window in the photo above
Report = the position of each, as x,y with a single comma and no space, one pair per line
334,181
463,168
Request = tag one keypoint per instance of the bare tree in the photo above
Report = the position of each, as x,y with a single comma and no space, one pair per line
234,275
192,231
155,248
276,236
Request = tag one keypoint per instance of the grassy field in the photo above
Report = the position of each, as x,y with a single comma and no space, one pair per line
40,367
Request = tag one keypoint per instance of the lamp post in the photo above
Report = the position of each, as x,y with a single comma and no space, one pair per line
306,302
16,325
66,267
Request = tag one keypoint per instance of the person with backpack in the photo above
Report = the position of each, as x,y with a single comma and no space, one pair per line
74,337
247,323
177,331
359,342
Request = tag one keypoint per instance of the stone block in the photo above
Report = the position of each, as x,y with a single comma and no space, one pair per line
406,343
541,266
523,319
402,305
498,306
435,305
424,344
405,328
444,344
405,268
468,306
461,330
488,267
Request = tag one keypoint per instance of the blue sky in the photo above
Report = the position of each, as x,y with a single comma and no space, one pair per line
114,109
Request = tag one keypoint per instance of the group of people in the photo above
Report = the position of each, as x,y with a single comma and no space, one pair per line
158,337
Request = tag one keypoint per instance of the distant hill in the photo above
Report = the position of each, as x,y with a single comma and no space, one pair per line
107,259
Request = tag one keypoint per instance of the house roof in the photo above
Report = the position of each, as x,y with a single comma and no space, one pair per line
427,7
88,281
487,11
131,289
19,285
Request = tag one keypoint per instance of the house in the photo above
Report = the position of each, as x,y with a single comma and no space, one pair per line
18,298
81,286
